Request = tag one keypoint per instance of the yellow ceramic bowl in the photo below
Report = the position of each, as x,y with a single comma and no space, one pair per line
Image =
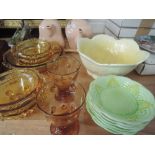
103,55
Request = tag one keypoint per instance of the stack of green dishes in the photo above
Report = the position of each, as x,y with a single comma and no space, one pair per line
119,104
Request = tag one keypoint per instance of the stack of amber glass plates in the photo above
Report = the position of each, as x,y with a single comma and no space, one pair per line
31,53
18,90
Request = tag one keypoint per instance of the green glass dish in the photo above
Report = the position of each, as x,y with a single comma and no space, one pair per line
123,99
115,126
119,104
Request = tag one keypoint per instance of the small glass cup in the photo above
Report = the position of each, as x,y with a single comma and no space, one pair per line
64,72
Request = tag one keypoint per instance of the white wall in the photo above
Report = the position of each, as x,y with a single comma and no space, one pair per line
97,25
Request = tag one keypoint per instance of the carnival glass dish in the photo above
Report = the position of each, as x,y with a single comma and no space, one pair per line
35,51
18,89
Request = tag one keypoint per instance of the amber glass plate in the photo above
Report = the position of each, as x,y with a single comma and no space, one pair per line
35,51
10,62
17,87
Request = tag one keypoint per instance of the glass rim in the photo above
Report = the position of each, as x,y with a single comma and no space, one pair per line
66,114
14,65
20,45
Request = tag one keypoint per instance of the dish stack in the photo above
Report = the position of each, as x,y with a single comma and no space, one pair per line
18,89
32,53
120,105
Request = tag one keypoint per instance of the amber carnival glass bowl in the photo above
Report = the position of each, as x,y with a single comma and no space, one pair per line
18,90
32,53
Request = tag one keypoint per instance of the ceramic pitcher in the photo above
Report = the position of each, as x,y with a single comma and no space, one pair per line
77,28
50,30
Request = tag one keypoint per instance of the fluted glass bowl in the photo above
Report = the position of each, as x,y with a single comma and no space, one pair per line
35,51
18,89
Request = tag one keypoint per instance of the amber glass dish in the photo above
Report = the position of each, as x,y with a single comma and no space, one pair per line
35,51
18,88
9,62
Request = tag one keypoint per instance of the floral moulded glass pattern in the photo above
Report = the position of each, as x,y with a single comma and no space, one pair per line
31,53
35,51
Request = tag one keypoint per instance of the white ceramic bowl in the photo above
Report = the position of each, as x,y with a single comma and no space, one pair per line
96,69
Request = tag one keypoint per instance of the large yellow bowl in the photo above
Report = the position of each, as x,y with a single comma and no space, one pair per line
101,55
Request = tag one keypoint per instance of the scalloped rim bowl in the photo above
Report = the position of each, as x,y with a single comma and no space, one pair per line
28,82
96,69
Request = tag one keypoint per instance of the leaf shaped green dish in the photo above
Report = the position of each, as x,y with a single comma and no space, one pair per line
112,126
122,99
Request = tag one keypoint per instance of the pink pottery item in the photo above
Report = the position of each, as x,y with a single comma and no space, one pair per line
77,28
50,30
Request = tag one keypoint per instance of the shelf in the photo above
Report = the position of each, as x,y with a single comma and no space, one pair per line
34,23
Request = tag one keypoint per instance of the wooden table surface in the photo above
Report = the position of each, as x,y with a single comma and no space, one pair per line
36,124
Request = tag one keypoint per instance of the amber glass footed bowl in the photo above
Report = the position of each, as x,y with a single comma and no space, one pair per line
64,72
18,89
63,114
